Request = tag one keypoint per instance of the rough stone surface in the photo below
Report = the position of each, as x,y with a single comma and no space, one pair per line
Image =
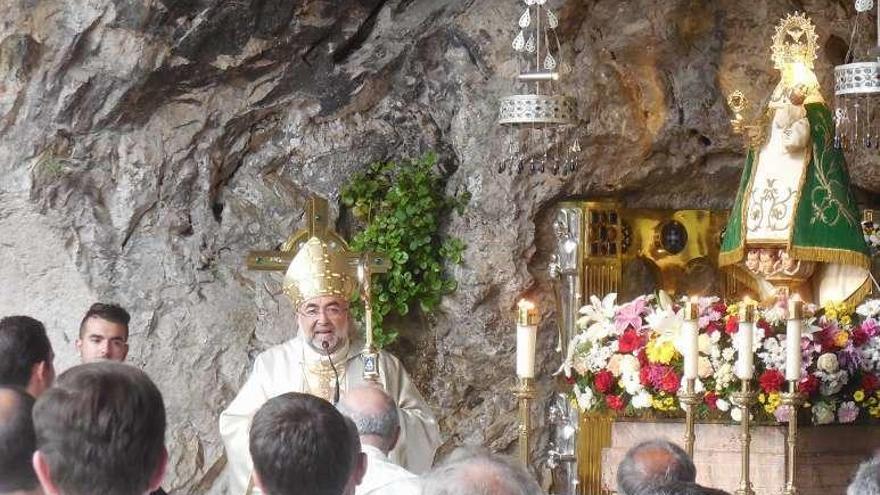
147,145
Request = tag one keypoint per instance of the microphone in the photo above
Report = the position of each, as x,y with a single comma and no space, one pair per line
326,347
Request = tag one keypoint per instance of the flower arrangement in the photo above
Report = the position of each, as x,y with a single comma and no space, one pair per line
626,360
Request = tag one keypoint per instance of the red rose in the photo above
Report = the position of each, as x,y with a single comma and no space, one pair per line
614,402
711,400
712,327
603,381
571,380
645,375
771,381
809,385
859,337
732,325
870,382
719,307
643,358
670,382
629,342
762,323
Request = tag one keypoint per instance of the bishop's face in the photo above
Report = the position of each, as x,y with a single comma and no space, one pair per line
324,319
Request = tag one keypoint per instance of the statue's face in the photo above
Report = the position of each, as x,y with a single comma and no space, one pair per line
324,319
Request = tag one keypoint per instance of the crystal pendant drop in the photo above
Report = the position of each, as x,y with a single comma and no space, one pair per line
552,20
519,43
525,19
549,62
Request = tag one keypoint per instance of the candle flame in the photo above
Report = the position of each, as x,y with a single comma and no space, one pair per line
525,304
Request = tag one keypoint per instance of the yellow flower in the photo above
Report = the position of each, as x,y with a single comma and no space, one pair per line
761,398
874,411
830,314
845,320
661,353
733,310
859,395
841,338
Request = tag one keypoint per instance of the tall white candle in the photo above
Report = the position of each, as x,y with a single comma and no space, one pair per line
745,366
526,337
690,348
793,339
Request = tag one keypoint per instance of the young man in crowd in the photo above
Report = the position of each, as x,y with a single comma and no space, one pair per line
26,357
103,333
100,429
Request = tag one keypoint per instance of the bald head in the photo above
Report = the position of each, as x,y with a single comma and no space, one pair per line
375,415
653,462
17,441
476,472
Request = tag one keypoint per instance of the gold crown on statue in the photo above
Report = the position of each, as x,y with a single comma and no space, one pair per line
319,269
795,41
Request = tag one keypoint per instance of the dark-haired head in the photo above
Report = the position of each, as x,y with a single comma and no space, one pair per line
302,444
103,333
100,429
26,357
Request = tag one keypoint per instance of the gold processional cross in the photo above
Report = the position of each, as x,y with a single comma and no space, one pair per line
364,264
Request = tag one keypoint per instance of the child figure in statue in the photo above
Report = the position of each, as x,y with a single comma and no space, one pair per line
794,226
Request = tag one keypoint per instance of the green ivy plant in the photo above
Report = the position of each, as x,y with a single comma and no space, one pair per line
401,206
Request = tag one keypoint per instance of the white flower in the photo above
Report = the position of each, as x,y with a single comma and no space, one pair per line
775,315
831,383
666,323
599,310
736,414
869,308
871,354
828,363
641,400
773,354
722,405
631,383
724,376
585,398
823,413
715,337
704,343
728,353
629,365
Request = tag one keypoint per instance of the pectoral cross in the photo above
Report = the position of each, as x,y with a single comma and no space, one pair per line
363,264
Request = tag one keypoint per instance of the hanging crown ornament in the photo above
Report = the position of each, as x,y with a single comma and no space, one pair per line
795,42
542,120
856,89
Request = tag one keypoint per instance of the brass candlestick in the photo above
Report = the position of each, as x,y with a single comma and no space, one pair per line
525,393
793,400
744,399
690,399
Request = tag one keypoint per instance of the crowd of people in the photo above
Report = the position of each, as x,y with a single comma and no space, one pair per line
99,428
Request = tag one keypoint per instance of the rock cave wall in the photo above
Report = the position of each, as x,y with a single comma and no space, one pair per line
147,145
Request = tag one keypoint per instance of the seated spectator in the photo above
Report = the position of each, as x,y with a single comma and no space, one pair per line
867,479
378,424
17,443
100,429
301,444
26,357
655,462
475,472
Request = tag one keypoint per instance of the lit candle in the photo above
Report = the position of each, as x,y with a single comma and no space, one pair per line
793,339
526,336
690,348
745,367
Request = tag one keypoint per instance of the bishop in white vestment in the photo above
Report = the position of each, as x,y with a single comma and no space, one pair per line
319,282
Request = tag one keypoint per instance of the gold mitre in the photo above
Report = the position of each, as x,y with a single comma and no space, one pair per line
319,269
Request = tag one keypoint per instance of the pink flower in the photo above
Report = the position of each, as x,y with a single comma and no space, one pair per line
630,315
782,414
848,412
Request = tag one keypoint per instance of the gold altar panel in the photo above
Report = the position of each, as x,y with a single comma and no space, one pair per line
633,251
594,435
